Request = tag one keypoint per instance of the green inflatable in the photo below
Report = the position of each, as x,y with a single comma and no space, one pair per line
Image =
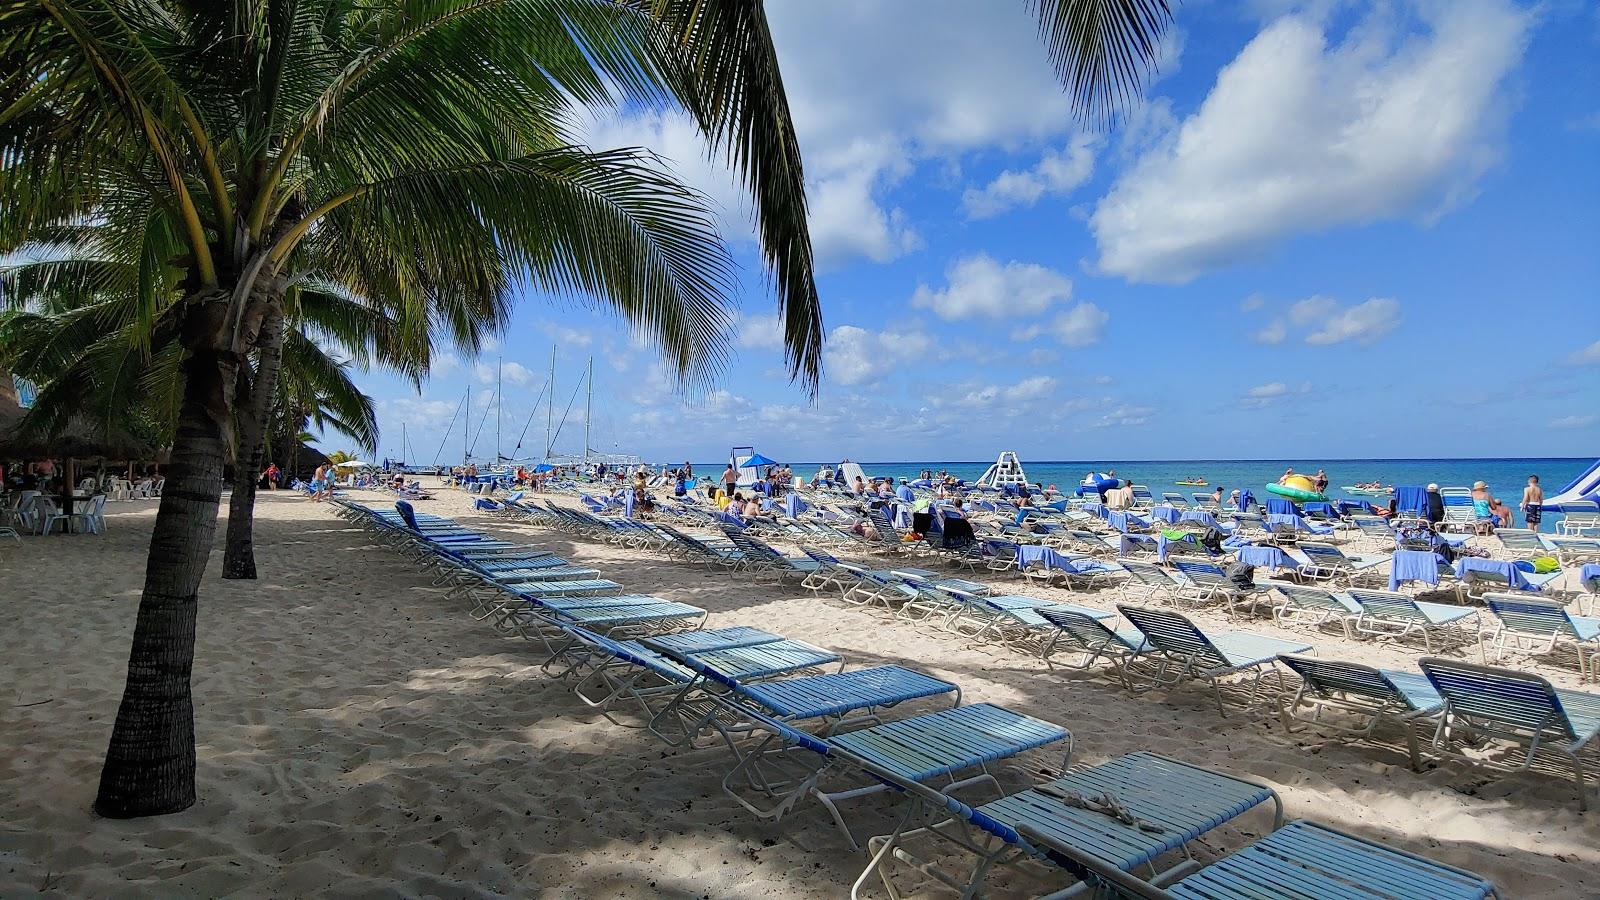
1299,489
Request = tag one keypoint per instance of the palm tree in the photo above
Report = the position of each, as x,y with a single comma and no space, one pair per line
100,357
418,152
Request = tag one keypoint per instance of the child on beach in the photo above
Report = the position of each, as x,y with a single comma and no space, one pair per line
1532,502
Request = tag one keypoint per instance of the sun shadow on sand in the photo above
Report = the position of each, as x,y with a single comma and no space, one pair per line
359,735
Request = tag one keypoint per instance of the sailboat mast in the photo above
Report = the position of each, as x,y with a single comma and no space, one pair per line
499,403
588,409
550,412
466,424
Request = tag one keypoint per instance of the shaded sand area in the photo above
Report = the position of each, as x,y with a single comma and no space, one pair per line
358,736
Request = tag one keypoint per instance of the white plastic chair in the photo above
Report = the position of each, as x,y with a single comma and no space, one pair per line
25,514
94,518
49,514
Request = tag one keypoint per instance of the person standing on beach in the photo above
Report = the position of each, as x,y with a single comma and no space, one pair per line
1533,502
730,479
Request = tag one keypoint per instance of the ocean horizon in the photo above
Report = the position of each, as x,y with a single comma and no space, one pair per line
1505,476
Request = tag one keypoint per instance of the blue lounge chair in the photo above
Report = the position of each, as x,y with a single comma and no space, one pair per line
1520,708
939,753
1379,695
1302,860
1183,652
1541,627
1094,637
1325,562
1397,615
1315,604
1012,619
1522,543
1159,805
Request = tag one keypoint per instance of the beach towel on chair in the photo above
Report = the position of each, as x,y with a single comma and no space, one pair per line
1413,565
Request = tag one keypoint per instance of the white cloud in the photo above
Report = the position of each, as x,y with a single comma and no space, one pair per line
1124,417
853,354
1333,324
1059,171
1323,320
443,363
1252,303
1574,421
1273,333
980,286
512,373
1267,394
1298,136
1080,326
1588,356
1009,399
569,337
760,332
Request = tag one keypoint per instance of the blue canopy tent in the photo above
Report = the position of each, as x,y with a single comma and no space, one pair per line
756,461
542,468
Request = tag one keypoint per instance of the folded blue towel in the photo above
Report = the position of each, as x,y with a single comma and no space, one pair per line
1510,571
1590,571
1280,506
1265,557
1414,565
1166,513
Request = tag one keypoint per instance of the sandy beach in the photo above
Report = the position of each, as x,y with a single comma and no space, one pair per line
358,736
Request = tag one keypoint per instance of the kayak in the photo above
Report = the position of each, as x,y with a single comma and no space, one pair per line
1371,492
1200,483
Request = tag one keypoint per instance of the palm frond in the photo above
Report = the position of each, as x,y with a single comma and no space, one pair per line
1103,50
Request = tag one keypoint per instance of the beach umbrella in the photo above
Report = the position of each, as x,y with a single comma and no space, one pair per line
352,464
757,460
542,468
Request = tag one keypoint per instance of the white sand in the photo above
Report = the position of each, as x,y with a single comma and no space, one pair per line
360,737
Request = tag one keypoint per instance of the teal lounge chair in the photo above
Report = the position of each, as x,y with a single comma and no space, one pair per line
1164,804
939,753
1540,627
1520,708
1095,638
1317,605
1183,652
1378,695
1397,615
1301,860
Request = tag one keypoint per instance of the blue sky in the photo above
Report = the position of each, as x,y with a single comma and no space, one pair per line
1337,229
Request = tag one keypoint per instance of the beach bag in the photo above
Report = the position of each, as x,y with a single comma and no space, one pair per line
1544,565
1242,576
1212,539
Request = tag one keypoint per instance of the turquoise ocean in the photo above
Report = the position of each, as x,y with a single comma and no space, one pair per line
1505,477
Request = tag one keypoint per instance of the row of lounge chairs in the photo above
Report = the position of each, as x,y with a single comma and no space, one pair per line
797,721
1161,648
1508,621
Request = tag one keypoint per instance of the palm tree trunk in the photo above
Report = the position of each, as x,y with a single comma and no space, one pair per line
238,558
150,764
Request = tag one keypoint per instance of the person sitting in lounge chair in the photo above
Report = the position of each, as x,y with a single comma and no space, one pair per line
1121,496
1435,505
1500,511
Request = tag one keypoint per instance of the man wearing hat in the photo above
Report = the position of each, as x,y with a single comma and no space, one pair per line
1435,505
